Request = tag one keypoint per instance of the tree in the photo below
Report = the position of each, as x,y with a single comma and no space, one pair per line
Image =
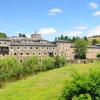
48,63
3,35
62,37
22,35
85,38
60,61
80,48
94,41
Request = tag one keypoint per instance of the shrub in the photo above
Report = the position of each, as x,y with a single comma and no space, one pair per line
83,86
48,63
30,64
60,61
98,55
9,66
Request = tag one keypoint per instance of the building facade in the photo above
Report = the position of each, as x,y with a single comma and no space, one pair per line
26,47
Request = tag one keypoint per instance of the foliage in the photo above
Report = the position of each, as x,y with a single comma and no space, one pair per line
30,64
48,63
60,61
94,41
83,87
3,35
22,35
98,55
80,48
44,86
9,66
73,39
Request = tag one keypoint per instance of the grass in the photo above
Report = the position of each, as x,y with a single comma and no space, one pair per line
44,86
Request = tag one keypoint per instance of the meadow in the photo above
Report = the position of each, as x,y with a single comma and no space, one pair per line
45,85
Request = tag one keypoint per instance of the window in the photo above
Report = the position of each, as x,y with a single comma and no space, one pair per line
36,47
0,42
27,53
53,48
33,53
39,53
4,42
30,47
21,53
18,47
25,47
11,47
47,47
15,54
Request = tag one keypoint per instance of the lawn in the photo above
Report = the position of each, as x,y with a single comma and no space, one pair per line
45,85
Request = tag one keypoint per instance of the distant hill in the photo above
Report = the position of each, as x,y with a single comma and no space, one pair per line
97,37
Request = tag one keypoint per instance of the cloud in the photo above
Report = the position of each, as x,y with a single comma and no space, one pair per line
94,31
45,31
55,11
73,33
93,5
82,27
97,13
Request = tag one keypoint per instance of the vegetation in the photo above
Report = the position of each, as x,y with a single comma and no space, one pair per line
29,64
98,55
48,63
83,87
3,35
94,41
60,61
80,49
10,66
45,86
22,35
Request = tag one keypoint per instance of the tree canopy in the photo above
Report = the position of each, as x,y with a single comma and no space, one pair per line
3,35
80,48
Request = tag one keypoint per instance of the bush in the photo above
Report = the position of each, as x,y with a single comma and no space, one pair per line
30,64
98,55
60,61
48,63
9,66
83,87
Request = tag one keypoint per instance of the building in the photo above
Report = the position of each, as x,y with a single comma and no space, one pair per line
25,47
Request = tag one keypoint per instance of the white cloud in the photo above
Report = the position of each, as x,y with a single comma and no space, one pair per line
82,27
93,5
55,11
94,31
73,33
97,13
45,31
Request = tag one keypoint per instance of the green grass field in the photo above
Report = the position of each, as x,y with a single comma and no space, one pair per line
45,85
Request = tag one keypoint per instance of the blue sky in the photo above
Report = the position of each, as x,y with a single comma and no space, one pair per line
50,17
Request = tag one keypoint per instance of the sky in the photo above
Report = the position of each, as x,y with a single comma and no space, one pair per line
50,18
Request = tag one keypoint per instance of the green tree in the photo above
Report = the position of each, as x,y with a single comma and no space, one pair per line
9,66
22,35
94,41
3,35
60,61
30,64
80,48
48,63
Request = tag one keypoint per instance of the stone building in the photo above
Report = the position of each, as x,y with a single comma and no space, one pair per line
25,47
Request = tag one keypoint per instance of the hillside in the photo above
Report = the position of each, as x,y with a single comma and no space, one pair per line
45,85
93,37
